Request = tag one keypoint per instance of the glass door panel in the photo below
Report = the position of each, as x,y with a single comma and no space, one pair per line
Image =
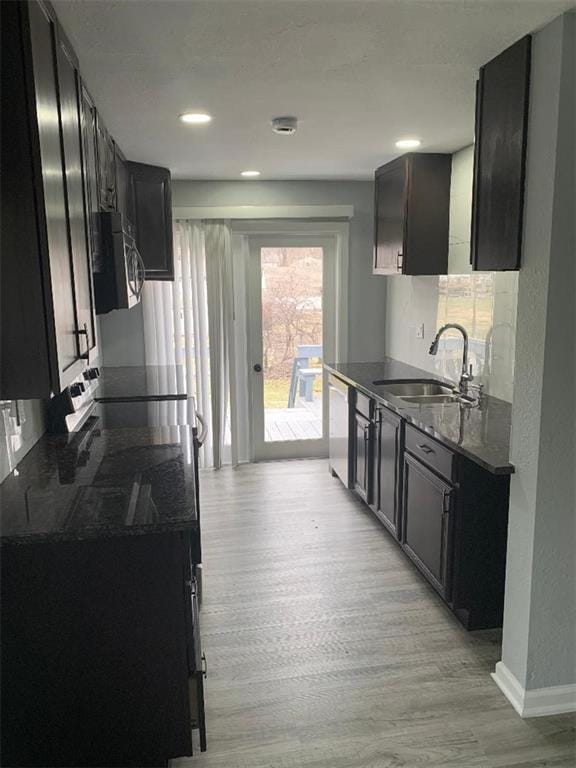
287,319
291,289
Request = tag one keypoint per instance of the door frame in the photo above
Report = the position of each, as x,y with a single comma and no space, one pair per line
333,237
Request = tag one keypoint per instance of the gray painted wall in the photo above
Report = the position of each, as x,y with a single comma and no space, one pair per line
122,331
16,441
366,295
122,337
539,643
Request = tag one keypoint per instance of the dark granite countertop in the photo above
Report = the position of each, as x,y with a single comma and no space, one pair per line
482,433
100,483
141,382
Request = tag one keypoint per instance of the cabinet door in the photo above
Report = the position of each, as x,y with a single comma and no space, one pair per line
43,40
23,320
362,456
123,186
390,211
88,117
151,205
106,156
387,469
499,159
426,528
103,632
69,88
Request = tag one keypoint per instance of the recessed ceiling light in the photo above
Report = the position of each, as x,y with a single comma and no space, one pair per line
408,143
195,118
250,174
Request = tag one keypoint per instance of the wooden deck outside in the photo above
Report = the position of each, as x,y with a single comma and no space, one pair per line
303,422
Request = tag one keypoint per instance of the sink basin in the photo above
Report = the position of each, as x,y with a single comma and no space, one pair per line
421,388
431,399
423,391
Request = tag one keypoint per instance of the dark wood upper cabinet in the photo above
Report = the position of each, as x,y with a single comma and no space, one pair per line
499,159
23,321
123,184
150,207
46,282
411,208
70,116
54,214
106,165
91,187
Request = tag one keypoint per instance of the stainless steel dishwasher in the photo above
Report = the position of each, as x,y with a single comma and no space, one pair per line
339,428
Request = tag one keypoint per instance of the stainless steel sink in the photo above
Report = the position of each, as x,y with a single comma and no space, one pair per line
422,388
423,391
431,399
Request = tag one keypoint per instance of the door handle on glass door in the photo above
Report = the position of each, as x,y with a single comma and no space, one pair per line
258,368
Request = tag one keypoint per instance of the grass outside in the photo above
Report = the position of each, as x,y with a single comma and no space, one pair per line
276,391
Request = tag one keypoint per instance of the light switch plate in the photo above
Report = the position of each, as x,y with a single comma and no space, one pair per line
420,331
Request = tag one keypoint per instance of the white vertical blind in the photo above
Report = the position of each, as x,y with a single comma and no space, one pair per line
191,323
175,321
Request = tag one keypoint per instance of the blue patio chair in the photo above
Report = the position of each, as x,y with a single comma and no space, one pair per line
303,375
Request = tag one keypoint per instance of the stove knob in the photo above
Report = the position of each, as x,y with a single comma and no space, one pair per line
93,373
76,389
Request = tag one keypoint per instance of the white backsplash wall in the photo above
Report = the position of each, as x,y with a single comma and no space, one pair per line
483,302
17,439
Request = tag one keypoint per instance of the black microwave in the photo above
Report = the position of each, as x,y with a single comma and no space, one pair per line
119,278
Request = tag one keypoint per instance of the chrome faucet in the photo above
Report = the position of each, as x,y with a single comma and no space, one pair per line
466,375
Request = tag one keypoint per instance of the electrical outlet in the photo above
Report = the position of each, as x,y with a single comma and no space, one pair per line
420,331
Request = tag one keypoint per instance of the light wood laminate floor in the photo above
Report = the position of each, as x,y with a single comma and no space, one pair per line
326,649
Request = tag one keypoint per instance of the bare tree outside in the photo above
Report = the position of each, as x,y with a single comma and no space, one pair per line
291,318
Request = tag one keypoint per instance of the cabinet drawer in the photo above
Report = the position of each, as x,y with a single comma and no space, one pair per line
363,404
430,452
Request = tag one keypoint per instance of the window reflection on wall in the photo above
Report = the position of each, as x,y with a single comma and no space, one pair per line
485,304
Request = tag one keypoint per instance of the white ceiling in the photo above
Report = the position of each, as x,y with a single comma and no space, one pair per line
357,74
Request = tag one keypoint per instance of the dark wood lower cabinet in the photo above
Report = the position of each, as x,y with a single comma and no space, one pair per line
96,652
387,468
426,529
449,515
362,453
479,549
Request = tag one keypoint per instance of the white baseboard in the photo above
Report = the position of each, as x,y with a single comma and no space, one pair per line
555,700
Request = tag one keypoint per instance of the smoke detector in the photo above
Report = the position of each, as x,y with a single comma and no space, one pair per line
285,125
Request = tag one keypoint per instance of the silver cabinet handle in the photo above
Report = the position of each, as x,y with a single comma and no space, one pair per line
399,260
426,448
204,432
84,332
